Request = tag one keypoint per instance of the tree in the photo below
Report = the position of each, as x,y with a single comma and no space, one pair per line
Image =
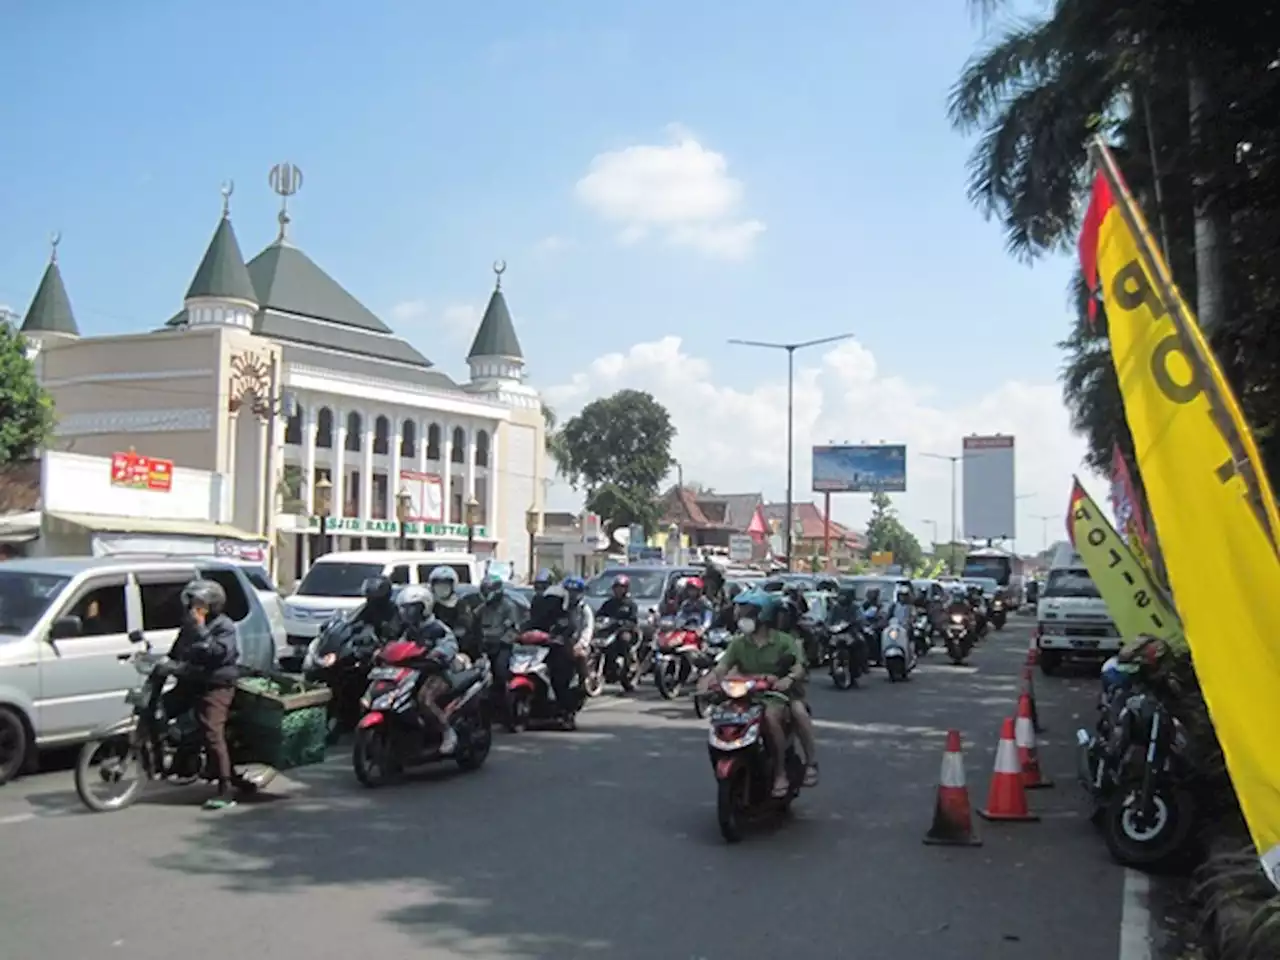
549,428
26,410
886,532
617,451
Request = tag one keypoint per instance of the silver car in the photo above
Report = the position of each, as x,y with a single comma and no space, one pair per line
68,627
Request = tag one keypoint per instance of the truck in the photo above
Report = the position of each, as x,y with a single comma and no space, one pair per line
1072,619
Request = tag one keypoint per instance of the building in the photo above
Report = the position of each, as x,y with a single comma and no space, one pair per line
809,533
332,432
707,520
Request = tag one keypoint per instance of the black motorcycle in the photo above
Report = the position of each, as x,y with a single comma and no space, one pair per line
958,637
614,656
340,657
998,613
812,635
872,629
847,654
921,632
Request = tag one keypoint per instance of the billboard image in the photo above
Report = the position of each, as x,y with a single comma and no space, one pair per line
860,469
990,503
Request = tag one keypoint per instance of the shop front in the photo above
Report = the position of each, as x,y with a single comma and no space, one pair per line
330,534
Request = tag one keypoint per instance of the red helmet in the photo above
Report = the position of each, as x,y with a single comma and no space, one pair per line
623,581
693,583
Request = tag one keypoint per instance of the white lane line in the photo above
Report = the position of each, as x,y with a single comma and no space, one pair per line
16,818
1135,917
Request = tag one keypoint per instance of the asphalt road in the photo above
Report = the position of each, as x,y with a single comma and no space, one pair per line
599,843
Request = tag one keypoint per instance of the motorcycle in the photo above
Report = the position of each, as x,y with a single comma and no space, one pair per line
958,638
614,656
1136,767
741,760
921,633
998,614
895,648
340,657
676,650
717,642
872,630
848,657
530,694
812,635
155,746
394,738
980,621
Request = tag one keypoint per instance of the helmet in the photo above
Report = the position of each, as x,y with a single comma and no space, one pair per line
692,584
828,585
376,590
415,603
903,593
575,584
205,593
756,605
543,579
444,583
491,588
873,594
621,584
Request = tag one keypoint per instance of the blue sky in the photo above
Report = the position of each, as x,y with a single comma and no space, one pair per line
435,140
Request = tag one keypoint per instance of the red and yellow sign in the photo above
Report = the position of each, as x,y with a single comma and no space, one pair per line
141,473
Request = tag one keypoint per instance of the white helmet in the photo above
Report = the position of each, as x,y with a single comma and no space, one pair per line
415,603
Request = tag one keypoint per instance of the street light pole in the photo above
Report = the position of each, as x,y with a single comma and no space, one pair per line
791,349
934,524
951,547
1044,519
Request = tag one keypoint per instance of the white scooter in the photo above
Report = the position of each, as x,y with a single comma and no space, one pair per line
897,650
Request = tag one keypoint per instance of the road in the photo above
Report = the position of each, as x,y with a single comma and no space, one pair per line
591,844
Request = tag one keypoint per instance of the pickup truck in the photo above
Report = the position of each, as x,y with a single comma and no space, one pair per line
1072,620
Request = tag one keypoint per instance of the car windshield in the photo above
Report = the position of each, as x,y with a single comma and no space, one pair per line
644,583
1070,583
986,583
24,597
862,587
337,579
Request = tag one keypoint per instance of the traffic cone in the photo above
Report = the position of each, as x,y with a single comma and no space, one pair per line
1028,753
952,818
1007,799
1033,653
1029,690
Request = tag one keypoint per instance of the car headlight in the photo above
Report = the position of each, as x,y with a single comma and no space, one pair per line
291,610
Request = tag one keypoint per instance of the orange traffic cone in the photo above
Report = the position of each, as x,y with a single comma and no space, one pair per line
952,818
1007,799
1029,690
1028,753
1033,653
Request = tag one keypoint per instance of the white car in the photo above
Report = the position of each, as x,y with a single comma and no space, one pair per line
270,598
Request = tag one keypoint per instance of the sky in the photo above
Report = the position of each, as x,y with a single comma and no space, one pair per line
658,178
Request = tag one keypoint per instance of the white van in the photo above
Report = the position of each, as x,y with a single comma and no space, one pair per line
1072,619
333,584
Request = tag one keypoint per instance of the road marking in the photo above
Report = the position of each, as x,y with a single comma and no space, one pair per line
1135,917
16,818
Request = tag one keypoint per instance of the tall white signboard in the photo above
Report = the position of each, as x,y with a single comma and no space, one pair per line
990,501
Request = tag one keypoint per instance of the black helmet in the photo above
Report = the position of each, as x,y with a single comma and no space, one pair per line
205,593
773,585
733,590
828,585
376,590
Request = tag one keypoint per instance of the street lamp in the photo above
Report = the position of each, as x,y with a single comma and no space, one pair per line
934,524
1044,519
473,516
532,520
791,349
323,501
951,547
404,504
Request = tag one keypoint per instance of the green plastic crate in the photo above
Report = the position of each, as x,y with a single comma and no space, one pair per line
282,720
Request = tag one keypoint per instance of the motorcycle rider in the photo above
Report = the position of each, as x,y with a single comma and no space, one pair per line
583,620
758,649
713,587
871,605
380,611
549,613
497,619
694,610
620,607
449,610
417,606
903,609
542,581
207,653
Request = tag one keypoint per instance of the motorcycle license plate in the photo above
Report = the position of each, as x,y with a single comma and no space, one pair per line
384,673
523,661
735,715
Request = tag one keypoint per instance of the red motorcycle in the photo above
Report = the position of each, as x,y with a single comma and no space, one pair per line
676,650
531,696
741,759
393,737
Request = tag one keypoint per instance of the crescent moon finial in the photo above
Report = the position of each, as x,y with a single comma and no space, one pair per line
55,238
499,268
228,188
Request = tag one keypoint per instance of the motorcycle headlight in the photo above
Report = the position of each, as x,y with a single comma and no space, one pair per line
735,688
328,660
957,618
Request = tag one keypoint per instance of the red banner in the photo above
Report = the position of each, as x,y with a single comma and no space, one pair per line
141,473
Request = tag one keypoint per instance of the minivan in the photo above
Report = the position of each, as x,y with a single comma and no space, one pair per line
333,584
68,627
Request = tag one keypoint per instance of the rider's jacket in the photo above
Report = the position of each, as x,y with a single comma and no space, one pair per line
383,618
621,609
212,650
696,611
497,621
549,613
460,618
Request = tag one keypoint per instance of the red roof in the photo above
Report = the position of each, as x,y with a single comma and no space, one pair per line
812,523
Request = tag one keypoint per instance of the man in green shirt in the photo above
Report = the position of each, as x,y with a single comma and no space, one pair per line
759,649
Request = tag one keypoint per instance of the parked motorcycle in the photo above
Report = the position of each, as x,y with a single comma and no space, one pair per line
152,746
848,654
895,648
741,761
1135,765
676,651
340,657
614,656
393,737
530,694
717,642
958,637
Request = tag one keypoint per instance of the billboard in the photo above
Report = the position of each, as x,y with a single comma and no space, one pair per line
990,504
860,469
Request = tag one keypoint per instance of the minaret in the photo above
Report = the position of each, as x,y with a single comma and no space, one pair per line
50,316
221,292
495,358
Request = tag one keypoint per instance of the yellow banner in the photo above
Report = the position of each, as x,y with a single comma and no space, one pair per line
1213,508
1135,605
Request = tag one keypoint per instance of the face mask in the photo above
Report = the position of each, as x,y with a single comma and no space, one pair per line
442,590
747,626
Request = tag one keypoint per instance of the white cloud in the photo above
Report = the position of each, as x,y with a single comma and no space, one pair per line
733,437
680,190
457,322
551,244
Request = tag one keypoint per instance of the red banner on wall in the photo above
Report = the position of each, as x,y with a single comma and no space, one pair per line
141,473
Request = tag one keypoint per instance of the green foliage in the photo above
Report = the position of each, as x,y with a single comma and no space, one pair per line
618,450
886,532
26,410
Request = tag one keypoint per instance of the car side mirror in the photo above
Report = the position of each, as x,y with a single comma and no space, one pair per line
66,627
136,636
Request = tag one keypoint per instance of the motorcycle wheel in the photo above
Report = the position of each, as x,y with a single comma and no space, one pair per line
629,675
841,675
956,652
729,808
699,706
519,711
479,741
667,678
90,775
595,678
897,669
371,757
1133,844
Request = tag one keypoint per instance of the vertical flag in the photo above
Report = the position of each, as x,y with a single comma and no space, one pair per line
1214,512
1124,503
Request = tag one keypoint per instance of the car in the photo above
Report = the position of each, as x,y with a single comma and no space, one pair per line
649,585
69,625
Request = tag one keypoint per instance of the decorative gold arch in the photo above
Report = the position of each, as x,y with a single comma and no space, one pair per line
250,384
